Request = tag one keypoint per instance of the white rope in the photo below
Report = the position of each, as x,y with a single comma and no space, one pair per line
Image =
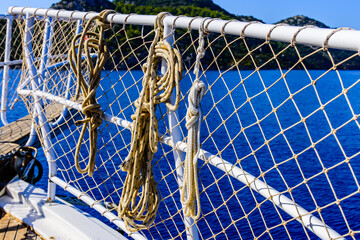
190,196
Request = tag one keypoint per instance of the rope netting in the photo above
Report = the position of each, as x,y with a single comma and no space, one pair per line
279,129
12,71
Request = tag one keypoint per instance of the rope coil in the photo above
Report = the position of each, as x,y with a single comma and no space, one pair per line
85,42
190,196
139,200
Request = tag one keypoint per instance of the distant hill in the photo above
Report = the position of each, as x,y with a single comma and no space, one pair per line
206,8
203,8
84,5
171,3
301,20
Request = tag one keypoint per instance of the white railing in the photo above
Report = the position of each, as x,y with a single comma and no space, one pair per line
5,65
345,39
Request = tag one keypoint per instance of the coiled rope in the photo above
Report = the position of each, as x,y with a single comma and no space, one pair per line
190,196
86,42
139,200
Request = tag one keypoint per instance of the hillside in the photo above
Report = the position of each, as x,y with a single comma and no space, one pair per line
206,8
171,3
84,5
301,20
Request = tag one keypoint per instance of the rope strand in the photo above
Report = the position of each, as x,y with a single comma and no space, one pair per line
139,200
190,196
85,42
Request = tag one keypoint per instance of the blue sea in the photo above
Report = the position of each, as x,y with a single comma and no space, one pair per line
224,200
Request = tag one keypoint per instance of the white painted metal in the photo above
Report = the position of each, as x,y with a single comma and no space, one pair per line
97,206
9,63
39,111
177,136
5,80
42,70
345,39
45,52
18,62
32,135
280,200
57,220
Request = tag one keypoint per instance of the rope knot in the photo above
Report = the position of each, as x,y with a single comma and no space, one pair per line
190,196
197,92
82,46
144,111
199,87
201,52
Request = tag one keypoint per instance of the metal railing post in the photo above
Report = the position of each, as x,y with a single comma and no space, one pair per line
39,107
5,80
177,136
47,43
43,63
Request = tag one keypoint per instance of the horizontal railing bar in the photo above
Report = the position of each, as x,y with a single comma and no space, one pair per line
344,40
9,63
5,16
280,200
16,62
76,15
97,206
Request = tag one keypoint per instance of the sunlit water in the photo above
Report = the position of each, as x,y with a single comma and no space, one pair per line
320,190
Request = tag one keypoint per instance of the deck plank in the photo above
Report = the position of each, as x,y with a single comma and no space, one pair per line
4,222
21,231
12,229
17,132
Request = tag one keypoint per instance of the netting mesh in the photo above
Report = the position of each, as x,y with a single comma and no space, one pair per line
14,70
284,113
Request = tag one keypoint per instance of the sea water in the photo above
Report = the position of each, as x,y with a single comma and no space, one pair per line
223,125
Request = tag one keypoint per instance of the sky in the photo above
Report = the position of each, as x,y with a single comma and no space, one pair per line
334,13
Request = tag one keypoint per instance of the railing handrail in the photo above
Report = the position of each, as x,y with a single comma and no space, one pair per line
10,63
347,39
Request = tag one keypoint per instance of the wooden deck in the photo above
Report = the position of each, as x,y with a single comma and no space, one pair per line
12,229
17,133
14,134
11,136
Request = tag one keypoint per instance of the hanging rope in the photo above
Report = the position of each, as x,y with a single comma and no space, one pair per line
139,200
86,42
190,196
